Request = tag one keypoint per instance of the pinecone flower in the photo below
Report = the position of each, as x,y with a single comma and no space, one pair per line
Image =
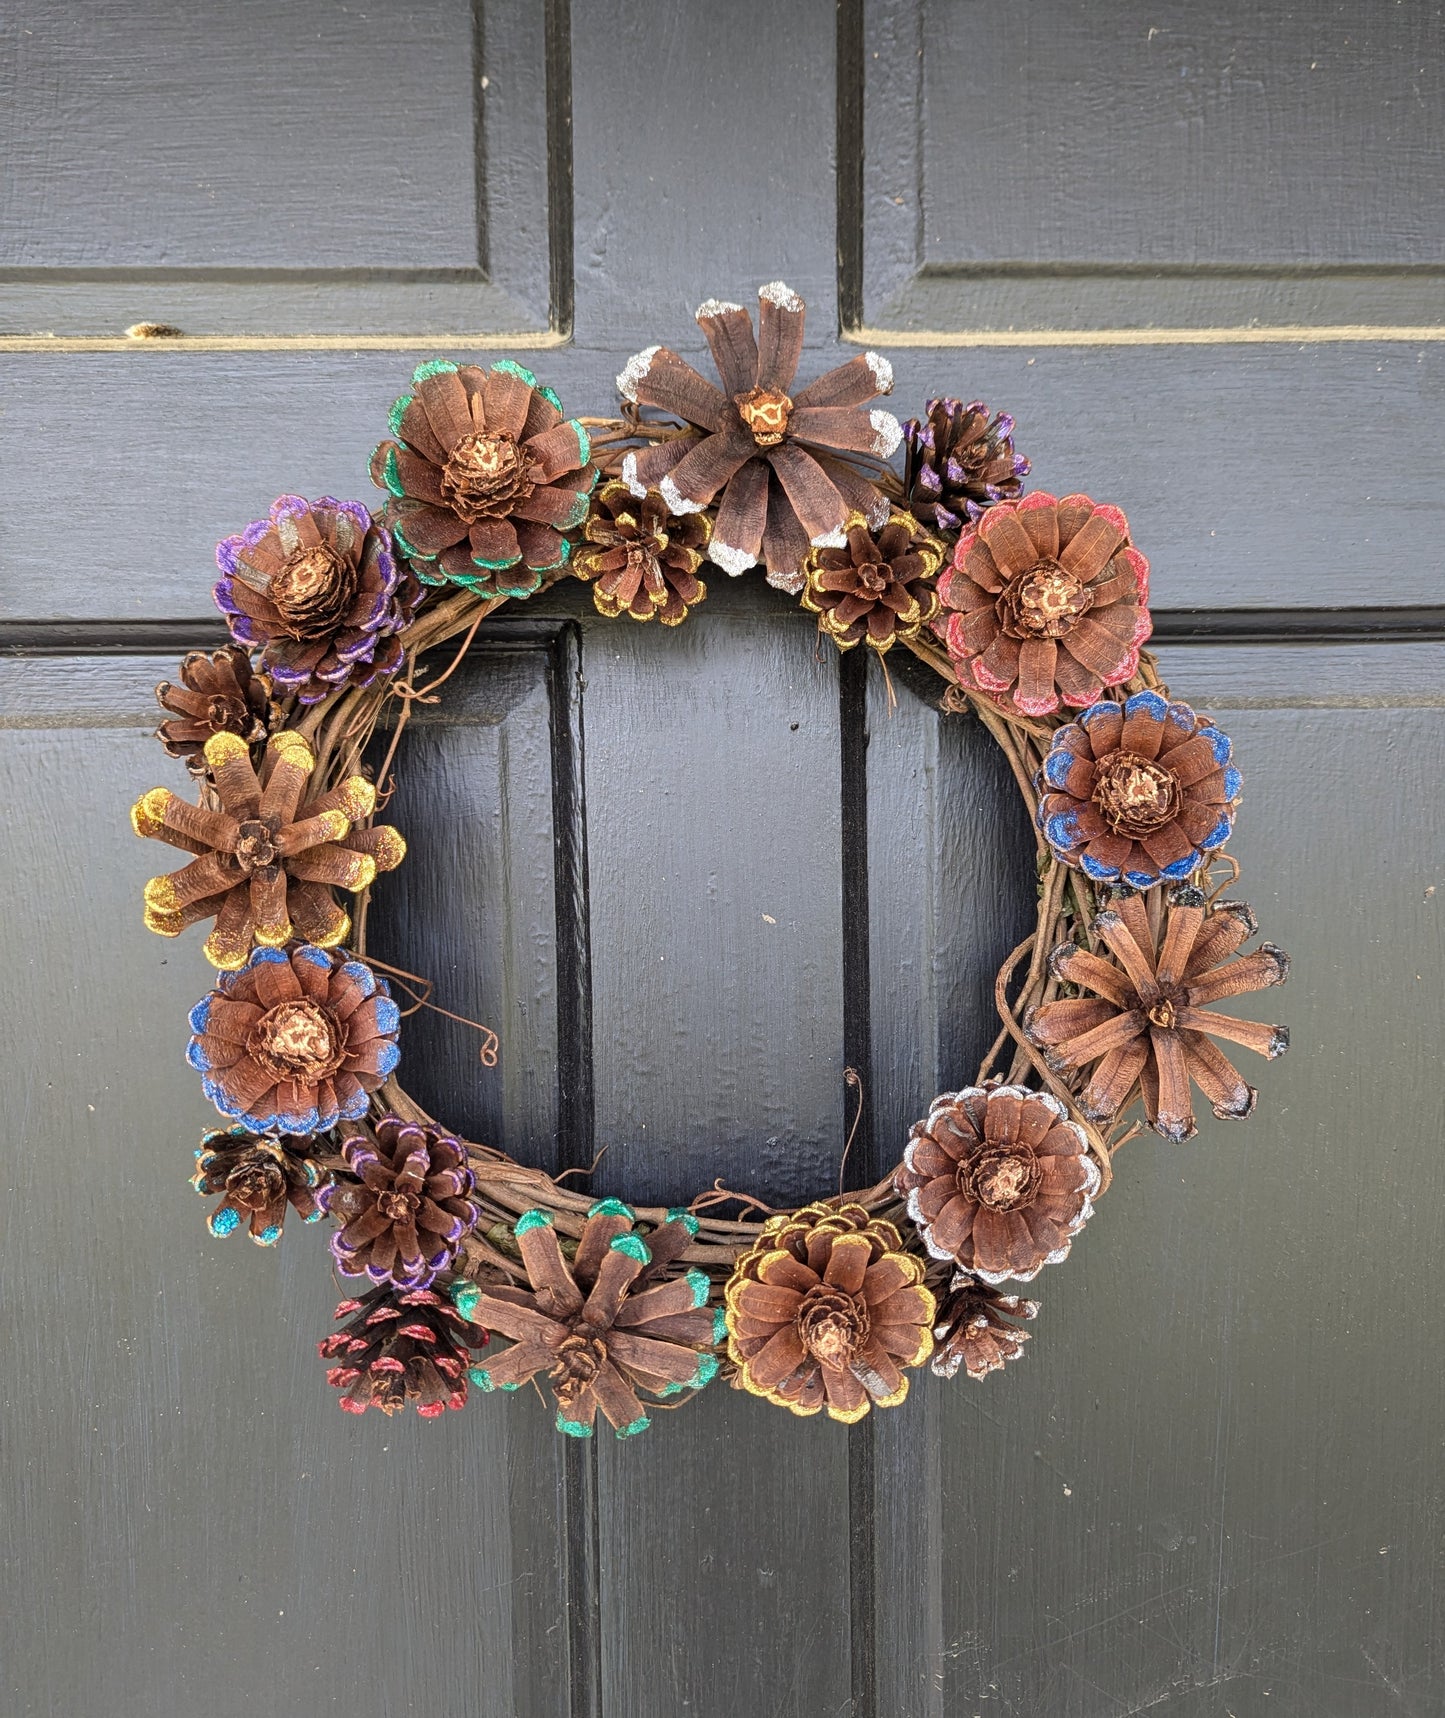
409,1209
645,561
218,694
316,588
783,463
999,1180
258,1177
399,1346
827,1310
1050,603
1139,791
958,463
485,475
585,1322
977,1328
877,588
267,861
1147,1022
295,1041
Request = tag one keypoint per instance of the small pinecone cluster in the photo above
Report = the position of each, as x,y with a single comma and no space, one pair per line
607,1326
398,1346
784,464
484,477
878,588
978,1328
1144,1021
643,560
408,1210
999,1180
957,462
258,1177
826,1310
316,589
267,860
218,694
294,1042
1138,792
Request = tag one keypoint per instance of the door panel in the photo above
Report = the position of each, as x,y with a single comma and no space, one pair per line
1212,1486
1179,168
1253,477
1230,1465
263,141
180,1485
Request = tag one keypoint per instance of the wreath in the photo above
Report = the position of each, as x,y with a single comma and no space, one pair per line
477,1273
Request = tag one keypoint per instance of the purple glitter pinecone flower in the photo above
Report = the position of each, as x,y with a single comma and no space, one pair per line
409,1208
318,590
957,462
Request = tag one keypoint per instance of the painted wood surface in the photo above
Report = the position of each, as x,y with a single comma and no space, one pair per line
1212,1487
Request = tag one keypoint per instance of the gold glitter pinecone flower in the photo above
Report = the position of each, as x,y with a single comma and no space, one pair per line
827,1310
643,560
268,850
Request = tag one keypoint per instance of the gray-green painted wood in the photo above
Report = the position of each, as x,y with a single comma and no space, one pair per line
1212,1487
1181,168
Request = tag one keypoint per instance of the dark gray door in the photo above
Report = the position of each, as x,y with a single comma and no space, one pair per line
692,876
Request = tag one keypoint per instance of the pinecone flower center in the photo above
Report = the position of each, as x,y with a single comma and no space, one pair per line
397,1205
874,578
766,412
1135,796
1162,1013
641,560
833,1326
579,1359
1043,602
256,1182
313,590
229,715
256,846
297,1040
1001,1180
485,477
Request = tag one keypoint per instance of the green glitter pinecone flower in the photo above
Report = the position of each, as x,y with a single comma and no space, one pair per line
485,478
607,1325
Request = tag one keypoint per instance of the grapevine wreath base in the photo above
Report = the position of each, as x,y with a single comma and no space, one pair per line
475,1273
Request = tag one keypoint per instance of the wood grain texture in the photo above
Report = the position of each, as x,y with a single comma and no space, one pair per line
708,167
306,168
1176,169
1251,477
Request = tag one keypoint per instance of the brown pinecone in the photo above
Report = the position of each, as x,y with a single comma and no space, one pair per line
976,1328
218,694
485,477
296,1041
877,587
826,1309
258,1176
316,588
586,1324
1146,1022
266,862
645,561
1051,603
998,1179
1138,792
409,1208
400,1346
782,466
958,463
